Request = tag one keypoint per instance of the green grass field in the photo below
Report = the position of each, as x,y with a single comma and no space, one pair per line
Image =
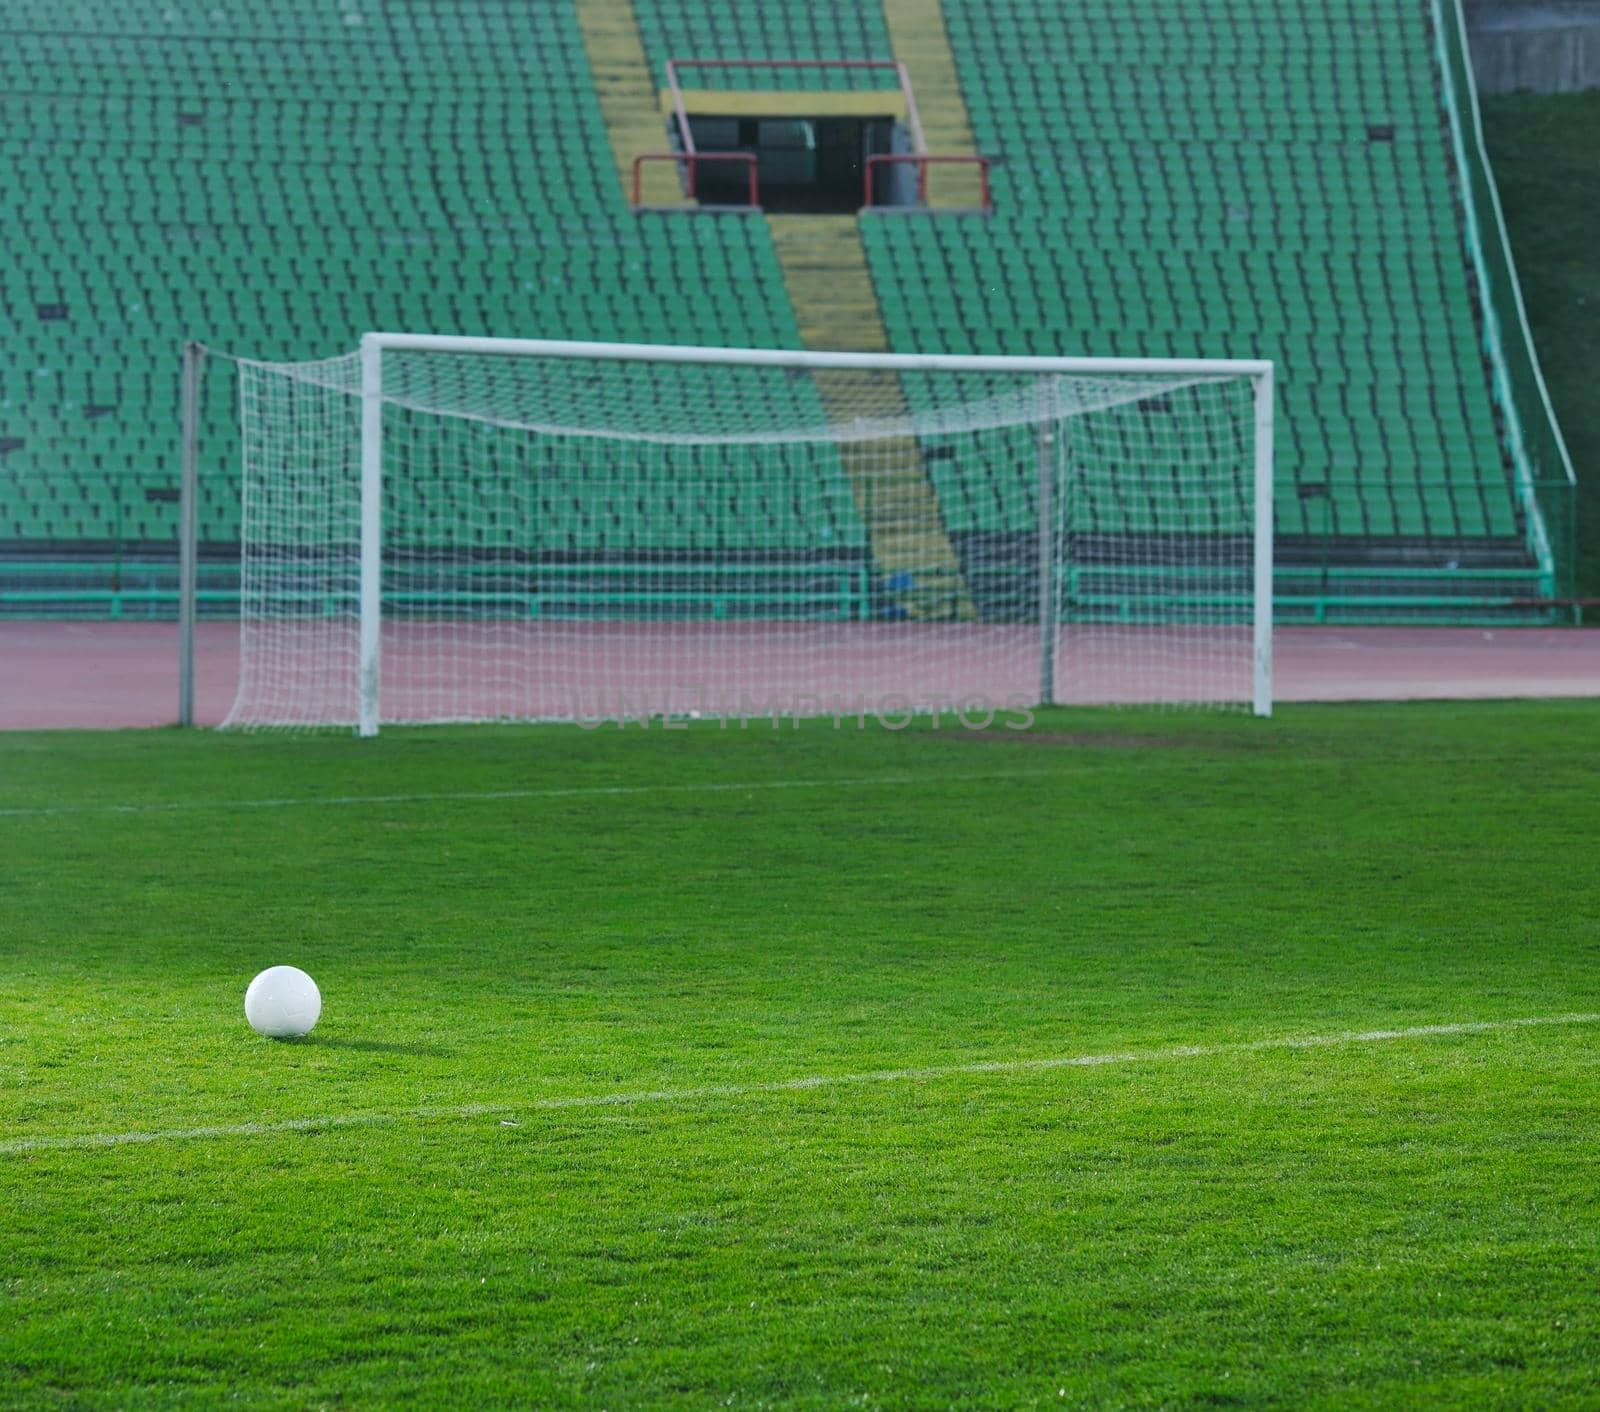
688,1068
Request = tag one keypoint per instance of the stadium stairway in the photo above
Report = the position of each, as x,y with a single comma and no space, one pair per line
628,99
825,272
922,43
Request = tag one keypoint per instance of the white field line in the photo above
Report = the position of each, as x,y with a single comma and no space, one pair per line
627,1098
586,791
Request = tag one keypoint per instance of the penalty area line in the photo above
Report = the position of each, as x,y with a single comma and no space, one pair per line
804,1084
589,791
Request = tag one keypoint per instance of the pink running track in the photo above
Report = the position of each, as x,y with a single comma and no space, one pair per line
104,676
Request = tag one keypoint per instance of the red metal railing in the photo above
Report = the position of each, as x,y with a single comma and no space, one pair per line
692,159
922,159
913,121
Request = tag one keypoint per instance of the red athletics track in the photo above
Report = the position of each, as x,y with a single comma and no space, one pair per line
101,676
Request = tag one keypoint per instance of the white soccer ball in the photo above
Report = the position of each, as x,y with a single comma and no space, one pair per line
283,1002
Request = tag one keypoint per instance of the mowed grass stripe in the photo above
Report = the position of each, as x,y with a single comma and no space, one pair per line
802,1084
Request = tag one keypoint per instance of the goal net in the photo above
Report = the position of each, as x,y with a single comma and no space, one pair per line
455,529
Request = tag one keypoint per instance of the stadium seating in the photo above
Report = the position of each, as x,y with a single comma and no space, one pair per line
273,182
1270,178
1267,177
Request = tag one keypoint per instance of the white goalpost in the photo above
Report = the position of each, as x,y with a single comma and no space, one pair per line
444,528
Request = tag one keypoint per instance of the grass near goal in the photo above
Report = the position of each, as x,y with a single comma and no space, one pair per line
451,529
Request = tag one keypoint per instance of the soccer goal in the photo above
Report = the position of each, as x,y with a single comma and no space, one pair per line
442,528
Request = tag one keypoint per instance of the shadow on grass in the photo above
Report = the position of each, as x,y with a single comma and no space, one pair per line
380,1046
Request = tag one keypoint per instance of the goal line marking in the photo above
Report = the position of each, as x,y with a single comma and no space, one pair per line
578,791
631,1098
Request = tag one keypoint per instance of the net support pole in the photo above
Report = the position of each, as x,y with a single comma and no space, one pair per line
1045,444
188,527
371,582
1262,657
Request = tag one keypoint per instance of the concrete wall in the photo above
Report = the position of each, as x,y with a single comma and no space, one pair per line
1534,46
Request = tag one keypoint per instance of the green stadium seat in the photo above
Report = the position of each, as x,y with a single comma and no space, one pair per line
275,185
